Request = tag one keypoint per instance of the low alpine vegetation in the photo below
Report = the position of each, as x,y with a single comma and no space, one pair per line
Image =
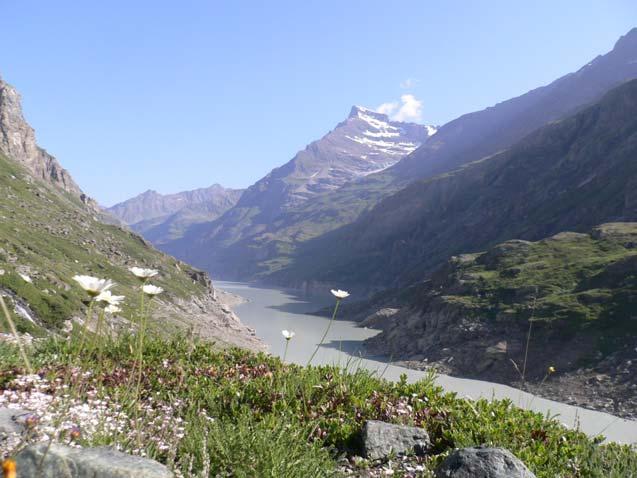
234,413
205,412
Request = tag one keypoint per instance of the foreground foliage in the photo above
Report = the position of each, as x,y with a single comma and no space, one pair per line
208,412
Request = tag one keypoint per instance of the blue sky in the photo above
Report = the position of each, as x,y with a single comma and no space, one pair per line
178,95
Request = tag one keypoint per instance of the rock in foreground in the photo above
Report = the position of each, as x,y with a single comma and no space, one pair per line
483,462
380,439
64,462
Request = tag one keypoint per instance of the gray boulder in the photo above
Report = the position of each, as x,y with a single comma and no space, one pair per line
380,439
10,422
59,461
482,462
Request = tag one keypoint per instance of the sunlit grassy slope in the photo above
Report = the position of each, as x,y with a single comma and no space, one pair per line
50,236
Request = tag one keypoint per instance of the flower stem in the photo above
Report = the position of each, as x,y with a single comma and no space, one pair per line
14,331
338,301
89,313
287,342
140,360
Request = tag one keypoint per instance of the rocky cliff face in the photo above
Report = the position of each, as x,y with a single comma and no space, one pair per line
17,141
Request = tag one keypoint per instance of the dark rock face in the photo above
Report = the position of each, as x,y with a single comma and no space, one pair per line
59,461
483,462
379,439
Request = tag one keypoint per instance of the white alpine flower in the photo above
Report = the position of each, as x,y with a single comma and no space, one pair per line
143,274
340,294
112,309
110,299
150,289
288,334
94,286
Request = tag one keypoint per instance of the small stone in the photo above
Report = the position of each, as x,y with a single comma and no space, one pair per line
380,439
59,461
10,421
482,462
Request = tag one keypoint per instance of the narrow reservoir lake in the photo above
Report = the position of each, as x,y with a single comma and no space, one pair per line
270,310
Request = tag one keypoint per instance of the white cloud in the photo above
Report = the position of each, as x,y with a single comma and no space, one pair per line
408,83
409,109
387,108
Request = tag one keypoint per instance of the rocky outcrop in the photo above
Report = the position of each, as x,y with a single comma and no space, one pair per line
483,462
58,461
17,141
380,439
211,319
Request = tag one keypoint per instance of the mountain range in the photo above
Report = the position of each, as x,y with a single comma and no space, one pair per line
571,174
364,143
460,238
274,232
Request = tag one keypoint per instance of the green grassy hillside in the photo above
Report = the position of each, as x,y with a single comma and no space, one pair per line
50,236
577,291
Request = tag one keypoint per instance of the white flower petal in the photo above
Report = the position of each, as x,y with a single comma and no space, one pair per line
288,334
150,289
112,309
143,273
340,294
109,298
93,285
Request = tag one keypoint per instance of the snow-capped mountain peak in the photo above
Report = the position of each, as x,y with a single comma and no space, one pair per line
377,135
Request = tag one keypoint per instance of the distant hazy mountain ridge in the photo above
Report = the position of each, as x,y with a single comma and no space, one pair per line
152,205
162,217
